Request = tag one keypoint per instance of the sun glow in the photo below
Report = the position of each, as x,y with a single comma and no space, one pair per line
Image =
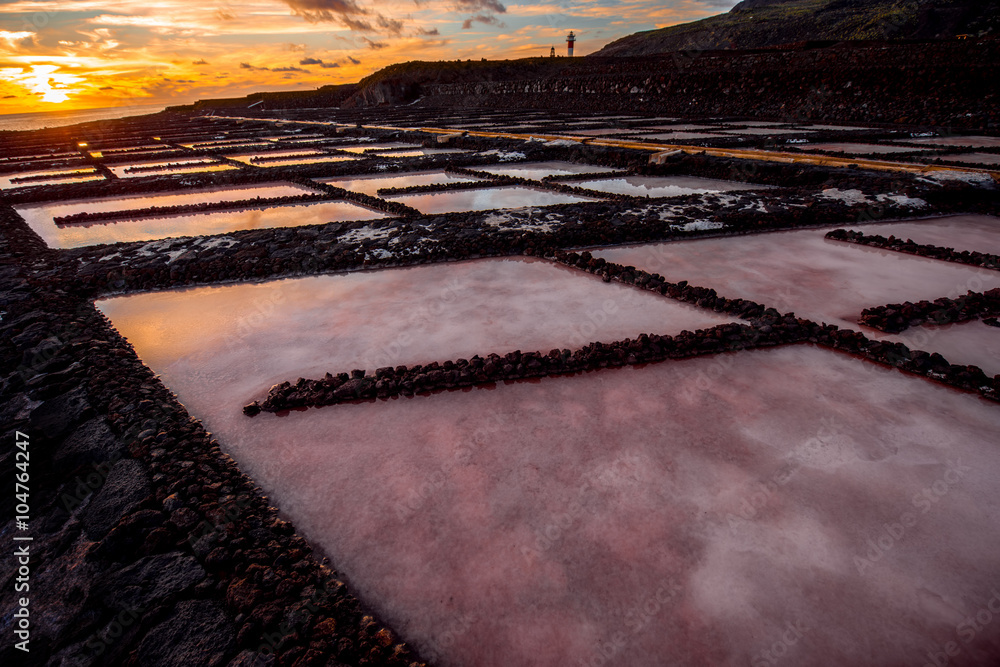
80,54
46,82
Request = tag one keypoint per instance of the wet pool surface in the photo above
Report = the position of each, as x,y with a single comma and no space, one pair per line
820,279
375,146
432,203
535,522
539,170
370,185
856,149
73,175
961,232
192,196
203,224
975,158
677,136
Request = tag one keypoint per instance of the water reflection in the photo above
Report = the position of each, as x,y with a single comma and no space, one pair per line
433,203
370,185
202,224
539,170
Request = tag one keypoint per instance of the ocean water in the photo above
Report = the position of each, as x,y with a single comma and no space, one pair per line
39,120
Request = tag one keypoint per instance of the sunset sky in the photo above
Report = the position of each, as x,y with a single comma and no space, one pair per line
77,54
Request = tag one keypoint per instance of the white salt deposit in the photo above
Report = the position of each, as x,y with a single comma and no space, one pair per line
663,186
853,197
974,178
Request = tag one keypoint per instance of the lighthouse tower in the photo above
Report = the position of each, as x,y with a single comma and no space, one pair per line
570,39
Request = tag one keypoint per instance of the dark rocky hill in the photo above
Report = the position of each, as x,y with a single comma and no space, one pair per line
755,24
946,83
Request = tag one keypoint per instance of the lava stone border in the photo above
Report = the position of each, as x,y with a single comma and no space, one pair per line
768,328
406,381
930,365
970,257
897,317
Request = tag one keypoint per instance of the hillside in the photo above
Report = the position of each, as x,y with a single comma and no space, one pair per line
755,24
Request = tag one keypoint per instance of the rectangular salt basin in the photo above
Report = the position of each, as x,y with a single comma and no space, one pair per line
183,167
980,233
601,131
679,136
247,158
663,186
52,210
221,142
137,149
34,158
292,137
834,128
326,141
688,127
233,147
756,123
204,224
376,146
856,149
519,526
139,155
960,343
539,170
370,185
40,217
433,203
80,175
971,142
814,277
767,131
371,319
417,152
974,158
304,160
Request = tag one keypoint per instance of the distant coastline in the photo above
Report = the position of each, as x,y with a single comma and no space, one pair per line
42,119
